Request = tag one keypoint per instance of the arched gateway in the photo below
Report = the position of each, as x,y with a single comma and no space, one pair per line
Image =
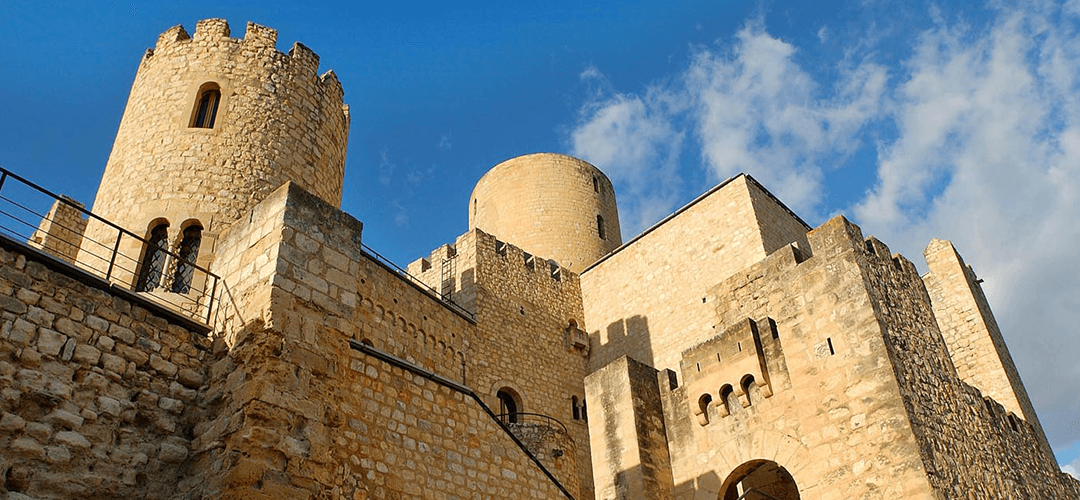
759,480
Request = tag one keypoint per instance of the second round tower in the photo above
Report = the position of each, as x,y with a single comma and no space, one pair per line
552,205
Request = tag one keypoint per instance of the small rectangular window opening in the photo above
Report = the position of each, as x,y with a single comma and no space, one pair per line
600,227
698,366
718,358
595,184
740,346
831,350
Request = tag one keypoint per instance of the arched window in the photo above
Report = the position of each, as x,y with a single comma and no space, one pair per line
206,106
728,399
703,405
188,252
153,261
600,226
747,383
575,407
508,406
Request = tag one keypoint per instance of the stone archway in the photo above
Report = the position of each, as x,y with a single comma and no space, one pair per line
759,480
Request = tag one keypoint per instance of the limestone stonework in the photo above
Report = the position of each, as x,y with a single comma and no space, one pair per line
729,352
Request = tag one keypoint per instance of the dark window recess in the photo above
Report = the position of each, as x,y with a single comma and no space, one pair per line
508,408
153,262
595,184
188,252
206,108
600,227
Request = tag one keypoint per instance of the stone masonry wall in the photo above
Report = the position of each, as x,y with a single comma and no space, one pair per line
971,333
627,433
98,395
523,315
669,270
61,230
970,447
835,420
302,415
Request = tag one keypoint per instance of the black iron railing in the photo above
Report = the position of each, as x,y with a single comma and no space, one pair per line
531,419
114,256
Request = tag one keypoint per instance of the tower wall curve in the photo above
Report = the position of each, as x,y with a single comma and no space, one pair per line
552,205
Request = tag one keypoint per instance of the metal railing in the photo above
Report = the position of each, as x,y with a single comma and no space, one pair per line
531,419
114,257
435,294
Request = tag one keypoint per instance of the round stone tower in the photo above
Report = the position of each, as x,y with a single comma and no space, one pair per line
551,205
212,126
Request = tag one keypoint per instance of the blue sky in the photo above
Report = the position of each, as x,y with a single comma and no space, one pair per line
917,120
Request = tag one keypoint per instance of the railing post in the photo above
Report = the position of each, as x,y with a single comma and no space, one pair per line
112,259
210,306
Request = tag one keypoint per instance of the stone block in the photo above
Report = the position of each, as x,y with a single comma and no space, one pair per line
28,448
86,354
190,378
12,423
163,366
64,419
50,342
72,439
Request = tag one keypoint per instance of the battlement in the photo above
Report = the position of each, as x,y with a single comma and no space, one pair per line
536,265
257,39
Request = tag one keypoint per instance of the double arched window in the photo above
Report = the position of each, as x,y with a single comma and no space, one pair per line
152,265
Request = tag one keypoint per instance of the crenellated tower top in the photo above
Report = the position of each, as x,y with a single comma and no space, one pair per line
214,124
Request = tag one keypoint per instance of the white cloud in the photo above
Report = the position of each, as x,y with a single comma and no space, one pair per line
1073,468
759,112
752,110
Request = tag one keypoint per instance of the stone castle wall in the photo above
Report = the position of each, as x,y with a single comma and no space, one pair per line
974,341
300,407
277,121
710,239
99,396
523,341
548,204
969,445
824,403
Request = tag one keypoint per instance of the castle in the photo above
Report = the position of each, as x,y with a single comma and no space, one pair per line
214,327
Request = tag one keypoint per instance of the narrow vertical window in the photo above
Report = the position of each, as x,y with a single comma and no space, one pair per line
600,226
187,253
508,407
206,106
153,261
574,406
595,184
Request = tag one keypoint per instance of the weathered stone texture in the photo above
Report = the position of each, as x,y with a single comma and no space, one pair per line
971,333
85,414
627,432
